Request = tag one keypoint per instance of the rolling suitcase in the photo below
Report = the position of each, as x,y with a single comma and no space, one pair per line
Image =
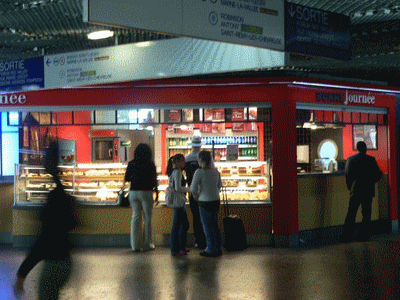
234,231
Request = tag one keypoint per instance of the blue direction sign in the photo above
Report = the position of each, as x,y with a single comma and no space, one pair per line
316,32
20,75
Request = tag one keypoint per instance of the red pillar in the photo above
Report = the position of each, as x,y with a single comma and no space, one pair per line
393,160
284,142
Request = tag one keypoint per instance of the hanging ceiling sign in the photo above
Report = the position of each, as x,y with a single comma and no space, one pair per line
316,32
257,23
22,75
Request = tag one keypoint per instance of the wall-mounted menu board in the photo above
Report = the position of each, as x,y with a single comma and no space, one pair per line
367,134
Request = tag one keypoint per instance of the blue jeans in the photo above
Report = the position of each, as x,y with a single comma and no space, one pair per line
141,203
180,226
209,219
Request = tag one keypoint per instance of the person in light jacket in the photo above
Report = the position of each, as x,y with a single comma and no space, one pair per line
205,187
180,223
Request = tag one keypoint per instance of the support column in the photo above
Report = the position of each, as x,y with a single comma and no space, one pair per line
284,142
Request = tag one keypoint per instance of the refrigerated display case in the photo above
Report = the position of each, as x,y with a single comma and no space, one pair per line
88,183
246,181
247,143
32,183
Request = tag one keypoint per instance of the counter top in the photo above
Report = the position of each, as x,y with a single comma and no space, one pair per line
39,206
318,174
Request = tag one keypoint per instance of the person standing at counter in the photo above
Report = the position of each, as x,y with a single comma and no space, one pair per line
205,188
362,172
180,222
191,166
142,174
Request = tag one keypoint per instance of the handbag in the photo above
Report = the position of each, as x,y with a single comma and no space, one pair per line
173,198
123,198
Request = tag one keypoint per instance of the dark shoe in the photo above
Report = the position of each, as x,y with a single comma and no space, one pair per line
206,254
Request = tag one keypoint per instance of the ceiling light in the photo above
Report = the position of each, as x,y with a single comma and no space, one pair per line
371,12
97,35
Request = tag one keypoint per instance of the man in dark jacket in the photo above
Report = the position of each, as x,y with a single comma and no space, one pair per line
191,166
362,172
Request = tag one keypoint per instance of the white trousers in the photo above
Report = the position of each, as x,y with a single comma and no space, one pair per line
142,204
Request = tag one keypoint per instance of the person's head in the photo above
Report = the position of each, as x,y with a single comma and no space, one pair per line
205,160
142,152
196,142
361,147
177,161
51,159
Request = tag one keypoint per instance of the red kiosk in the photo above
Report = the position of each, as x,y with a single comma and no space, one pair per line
306,196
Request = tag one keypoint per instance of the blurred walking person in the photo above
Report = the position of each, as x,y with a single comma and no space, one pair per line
53,244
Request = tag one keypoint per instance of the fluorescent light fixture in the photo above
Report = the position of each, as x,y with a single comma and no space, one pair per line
143,44
102,34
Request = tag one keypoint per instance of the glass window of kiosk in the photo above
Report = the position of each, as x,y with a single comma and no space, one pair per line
95,147
327,137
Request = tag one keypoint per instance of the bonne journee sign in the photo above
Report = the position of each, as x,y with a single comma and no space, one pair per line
348,98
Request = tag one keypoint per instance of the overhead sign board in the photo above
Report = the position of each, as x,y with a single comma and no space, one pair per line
248,22
154,15
316,32
23,74
166,58
257,23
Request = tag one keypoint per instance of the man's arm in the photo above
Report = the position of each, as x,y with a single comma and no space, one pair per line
377,173
349,174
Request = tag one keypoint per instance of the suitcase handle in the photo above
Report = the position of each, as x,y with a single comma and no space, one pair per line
225,201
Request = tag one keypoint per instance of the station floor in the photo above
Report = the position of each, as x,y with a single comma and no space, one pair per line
358,270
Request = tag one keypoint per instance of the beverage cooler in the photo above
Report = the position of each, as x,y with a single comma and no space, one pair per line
238,153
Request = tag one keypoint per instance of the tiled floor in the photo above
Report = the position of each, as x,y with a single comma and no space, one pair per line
346,271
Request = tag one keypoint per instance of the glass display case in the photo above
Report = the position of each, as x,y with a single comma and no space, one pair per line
246,181
89,183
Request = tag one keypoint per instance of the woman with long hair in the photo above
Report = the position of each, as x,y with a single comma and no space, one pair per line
180,223
142,175
205,187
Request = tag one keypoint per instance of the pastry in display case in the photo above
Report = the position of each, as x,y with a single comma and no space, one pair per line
32,184
100,183
245,181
